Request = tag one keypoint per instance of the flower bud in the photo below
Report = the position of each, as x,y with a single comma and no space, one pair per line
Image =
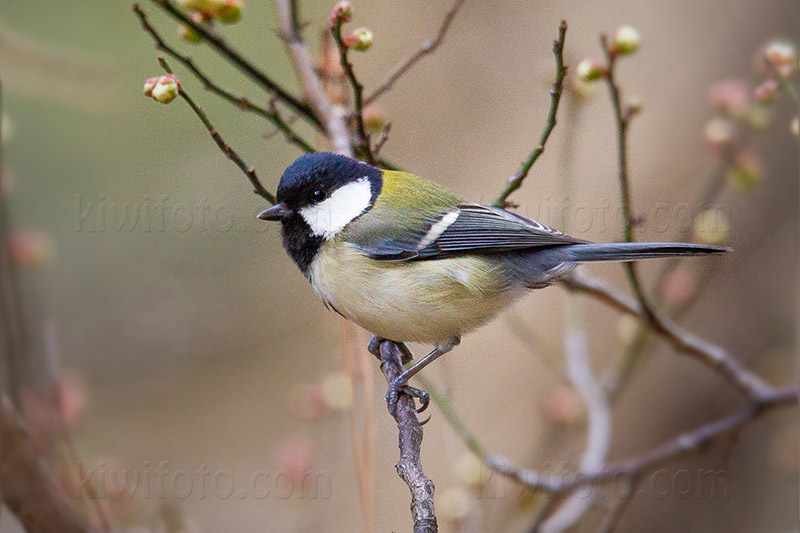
678,287
454,504
30,248
635,105
718,132
374,117
732,97
590,70
337,390
765,93
564,405
745,173
783,57
470,470
342,12
359,39
627,40
795,126
162,89
712,226
229,11
188,34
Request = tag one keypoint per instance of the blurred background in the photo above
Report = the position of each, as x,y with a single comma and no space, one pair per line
188,342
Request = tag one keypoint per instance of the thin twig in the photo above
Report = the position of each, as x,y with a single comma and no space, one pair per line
384,136
332,117
716,357
598,437
229,152
235,58
364,144
410,441
428,47
623,117
241,102
29,489
787,86
515,181
683,444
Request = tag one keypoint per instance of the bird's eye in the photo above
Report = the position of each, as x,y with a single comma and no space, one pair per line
318,195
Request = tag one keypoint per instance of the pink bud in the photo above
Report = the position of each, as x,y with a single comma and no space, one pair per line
360,39
731,97
162,89
342,12
627,40
590,70
678,286
765,93
229,11
783,57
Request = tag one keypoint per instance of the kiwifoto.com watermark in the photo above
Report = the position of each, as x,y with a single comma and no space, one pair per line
160,481
682,484
100,214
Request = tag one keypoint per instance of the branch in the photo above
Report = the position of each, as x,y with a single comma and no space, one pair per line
410,440
229,152
364,144
784,82
241,102
623,117
515,181
234,57
681,445
404,66
717,358
29,490
598,438
332,117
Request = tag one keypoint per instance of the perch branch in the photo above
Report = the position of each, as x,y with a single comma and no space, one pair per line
410,441
364,144
706,352
241,102
332,117
235,58
515,181
29,490
427,47
229,152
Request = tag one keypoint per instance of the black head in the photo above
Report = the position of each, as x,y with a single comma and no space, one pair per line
317,196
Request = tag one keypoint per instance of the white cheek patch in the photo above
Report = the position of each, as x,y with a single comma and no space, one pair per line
328,217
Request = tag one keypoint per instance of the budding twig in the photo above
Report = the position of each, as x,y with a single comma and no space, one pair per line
787,86
241,102
716,357
427,47
229,152
364,144
236,59
515,181
332,118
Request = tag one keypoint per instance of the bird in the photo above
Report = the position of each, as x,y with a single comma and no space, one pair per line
410,261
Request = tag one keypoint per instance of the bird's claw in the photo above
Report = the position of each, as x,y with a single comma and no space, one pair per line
398,386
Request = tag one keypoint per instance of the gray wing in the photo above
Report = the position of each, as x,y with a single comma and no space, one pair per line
467,229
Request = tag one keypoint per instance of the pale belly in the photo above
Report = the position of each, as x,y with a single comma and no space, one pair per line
417,301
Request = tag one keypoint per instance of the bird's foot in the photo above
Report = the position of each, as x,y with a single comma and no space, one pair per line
398,386
374,346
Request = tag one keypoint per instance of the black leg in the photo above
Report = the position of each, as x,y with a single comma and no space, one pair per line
400,383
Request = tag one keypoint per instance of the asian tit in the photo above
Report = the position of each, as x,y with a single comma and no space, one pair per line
408,260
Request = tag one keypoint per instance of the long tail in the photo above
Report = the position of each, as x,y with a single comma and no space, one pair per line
633,251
